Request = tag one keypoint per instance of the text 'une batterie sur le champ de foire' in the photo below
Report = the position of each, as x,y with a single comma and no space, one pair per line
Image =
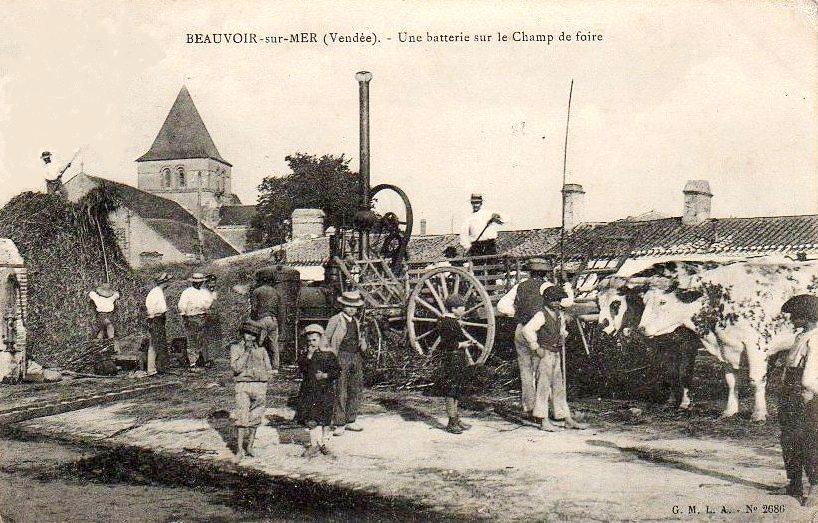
400,37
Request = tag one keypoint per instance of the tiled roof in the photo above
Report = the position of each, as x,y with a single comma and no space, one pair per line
169,219
236,214
662,237
183,135
670,236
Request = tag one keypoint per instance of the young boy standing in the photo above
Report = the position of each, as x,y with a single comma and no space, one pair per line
252,370
798,405
456,359
320,369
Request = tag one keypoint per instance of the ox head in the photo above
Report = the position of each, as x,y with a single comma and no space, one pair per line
613,304
671,308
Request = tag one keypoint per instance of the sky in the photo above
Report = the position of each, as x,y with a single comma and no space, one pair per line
723,91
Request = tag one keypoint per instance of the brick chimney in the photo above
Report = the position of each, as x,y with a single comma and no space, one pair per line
573,197
307,223
697,202
423,226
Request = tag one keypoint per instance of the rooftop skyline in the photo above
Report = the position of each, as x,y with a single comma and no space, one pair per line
718,91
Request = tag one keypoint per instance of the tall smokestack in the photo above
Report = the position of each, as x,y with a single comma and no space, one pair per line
363,78
423,226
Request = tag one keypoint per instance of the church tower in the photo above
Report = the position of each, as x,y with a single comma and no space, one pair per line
184,165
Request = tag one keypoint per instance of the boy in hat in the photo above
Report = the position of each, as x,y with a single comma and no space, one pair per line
251,370
798,405
345,338
545,334
156,308
103,300
194,304
456,359
320,369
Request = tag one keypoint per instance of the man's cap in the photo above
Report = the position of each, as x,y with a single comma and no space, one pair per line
540,264
476,197
250,327
105,290
351,299
313,328
163,278
197,277
803,306
45,154
455,300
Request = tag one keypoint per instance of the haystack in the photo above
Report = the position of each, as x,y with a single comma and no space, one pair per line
69,249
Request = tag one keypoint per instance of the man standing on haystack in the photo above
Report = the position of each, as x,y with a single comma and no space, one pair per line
194,305
157,308
54,173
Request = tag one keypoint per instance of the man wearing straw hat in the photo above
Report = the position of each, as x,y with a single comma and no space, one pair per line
345,338
156,307
194,304
103,300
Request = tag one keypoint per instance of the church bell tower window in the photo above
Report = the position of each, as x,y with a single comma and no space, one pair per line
166,178
181,174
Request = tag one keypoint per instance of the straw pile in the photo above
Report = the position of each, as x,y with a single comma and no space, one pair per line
68,249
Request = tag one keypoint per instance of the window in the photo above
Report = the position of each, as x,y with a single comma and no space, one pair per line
166,178
181,175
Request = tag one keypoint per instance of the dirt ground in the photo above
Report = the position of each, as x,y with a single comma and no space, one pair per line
657,464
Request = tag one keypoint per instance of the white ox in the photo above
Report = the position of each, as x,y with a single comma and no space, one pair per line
736,308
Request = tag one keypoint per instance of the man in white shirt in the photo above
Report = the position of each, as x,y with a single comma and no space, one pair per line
53,173
157,309
103,301
194,304
479,233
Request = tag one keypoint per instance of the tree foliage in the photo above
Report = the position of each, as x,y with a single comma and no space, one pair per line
322,183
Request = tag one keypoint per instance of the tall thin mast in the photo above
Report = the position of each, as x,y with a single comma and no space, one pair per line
564,170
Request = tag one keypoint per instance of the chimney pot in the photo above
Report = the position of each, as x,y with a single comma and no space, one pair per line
573,197
697,197
307,223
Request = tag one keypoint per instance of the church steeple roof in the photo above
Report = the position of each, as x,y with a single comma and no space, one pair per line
183,135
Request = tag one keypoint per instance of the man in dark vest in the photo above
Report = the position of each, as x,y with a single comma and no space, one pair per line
345,337
522,302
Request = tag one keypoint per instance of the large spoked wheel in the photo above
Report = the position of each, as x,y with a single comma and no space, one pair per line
427,303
